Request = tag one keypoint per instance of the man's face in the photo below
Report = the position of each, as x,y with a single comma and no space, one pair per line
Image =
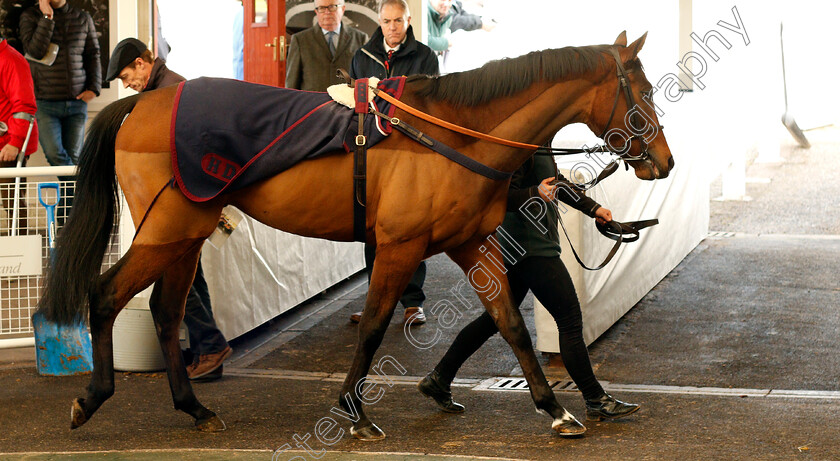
138,77
329,20
441,6
394,22
57,3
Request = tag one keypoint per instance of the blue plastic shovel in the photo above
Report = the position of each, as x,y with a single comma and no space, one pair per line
60,350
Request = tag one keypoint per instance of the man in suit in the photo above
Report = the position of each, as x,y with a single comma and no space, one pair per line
316,53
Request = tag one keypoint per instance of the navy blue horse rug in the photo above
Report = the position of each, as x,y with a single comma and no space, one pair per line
229,134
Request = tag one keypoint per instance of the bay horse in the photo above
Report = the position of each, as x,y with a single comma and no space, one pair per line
418,204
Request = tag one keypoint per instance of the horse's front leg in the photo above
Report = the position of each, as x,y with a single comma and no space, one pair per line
392,271
491,284
167,306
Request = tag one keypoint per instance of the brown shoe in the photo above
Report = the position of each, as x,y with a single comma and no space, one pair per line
212,376
414,316
208,363
356,317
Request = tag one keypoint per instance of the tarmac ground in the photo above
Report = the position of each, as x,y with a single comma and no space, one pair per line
732,356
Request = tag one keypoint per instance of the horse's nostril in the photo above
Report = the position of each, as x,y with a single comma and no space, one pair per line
670,163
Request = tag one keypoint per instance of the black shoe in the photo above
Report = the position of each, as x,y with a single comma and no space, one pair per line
430,386
608,407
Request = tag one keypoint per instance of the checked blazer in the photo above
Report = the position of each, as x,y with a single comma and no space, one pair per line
309,65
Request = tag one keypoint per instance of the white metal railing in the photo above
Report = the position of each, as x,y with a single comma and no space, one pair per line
19,294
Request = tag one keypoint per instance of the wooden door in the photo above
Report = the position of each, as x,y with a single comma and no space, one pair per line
265,41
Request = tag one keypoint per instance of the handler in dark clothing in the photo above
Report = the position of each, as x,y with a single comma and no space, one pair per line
63,88
393,52
132,63
542,271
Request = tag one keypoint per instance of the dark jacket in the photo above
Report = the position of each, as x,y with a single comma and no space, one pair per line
412,58
461,20
523,187
311,67
161,76
77,67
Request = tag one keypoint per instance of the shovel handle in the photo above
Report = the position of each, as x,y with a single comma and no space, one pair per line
50,209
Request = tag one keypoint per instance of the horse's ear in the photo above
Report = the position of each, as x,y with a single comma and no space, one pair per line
636,46
621,39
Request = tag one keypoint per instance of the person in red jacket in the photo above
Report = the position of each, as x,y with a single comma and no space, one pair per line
17,107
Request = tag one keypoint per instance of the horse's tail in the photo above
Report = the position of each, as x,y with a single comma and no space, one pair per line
77,258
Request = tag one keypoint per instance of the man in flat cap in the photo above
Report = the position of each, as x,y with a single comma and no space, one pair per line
134,65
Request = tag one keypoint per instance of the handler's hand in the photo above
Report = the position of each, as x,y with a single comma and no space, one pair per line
547,189
45,7
603,215
86,96
9,153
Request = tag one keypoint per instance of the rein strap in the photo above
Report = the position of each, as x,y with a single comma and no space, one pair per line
469,163
452,126
613,230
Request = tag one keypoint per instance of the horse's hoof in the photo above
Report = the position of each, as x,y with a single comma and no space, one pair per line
77,414
568,426
368,433
213,424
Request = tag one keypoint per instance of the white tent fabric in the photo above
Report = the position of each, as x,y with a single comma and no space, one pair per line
680,202
261,272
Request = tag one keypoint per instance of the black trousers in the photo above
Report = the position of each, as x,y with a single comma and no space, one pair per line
413,295
548,278
205,337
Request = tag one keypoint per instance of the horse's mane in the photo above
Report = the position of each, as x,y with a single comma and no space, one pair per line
506,77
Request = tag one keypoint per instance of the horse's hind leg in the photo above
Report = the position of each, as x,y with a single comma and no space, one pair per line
391,272
136,270
167,306
493,289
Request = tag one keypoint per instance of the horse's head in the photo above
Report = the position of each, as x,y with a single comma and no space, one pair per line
624,116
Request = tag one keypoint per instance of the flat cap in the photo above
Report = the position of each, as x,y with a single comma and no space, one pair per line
124,53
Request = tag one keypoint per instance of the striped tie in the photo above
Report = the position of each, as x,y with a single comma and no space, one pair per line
388,62
331,42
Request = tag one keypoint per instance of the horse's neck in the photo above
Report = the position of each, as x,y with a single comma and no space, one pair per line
534,116
530,116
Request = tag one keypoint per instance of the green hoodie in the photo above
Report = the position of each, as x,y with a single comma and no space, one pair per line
439,29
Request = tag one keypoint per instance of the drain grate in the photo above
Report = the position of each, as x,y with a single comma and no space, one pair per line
720,235
510,384
521,384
